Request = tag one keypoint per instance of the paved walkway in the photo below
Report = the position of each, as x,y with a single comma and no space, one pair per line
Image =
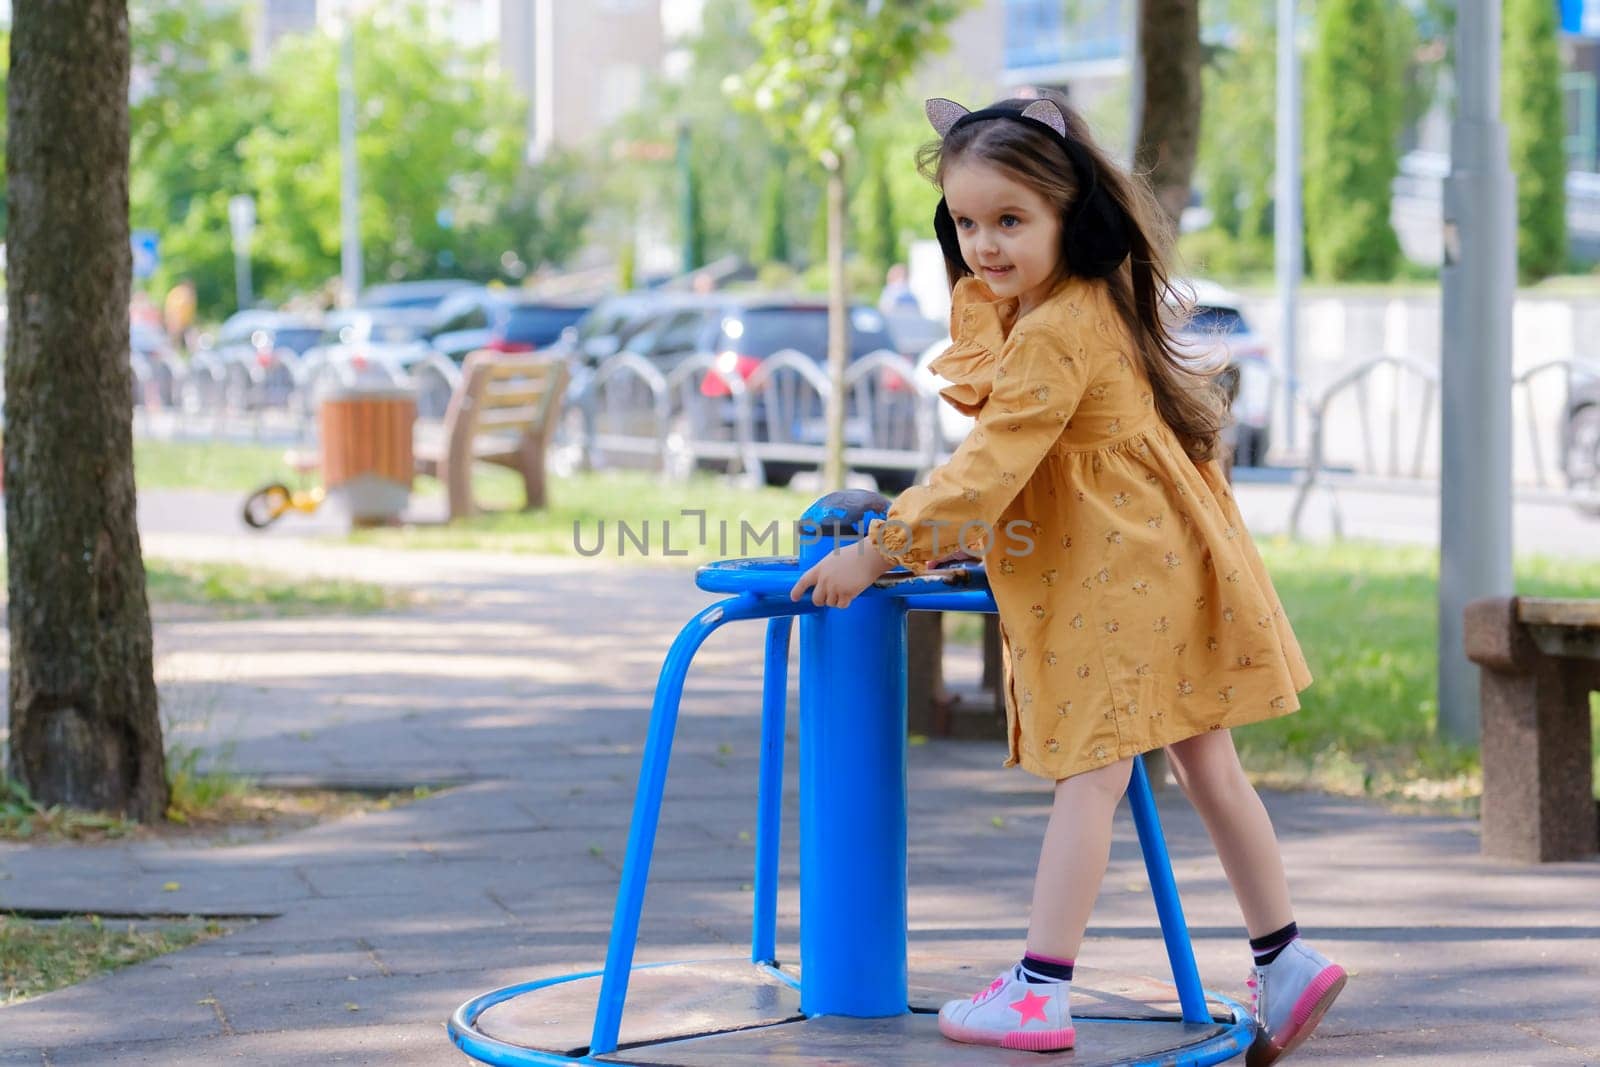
528,680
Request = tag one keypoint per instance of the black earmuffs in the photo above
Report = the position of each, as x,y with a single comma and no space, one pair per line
1094,230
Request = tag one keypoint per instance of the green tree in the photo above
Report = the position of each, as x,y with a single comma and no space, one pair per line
824,68
1352,130
773,237
626,264
5,78
1536,129
896,134
1236,172
439,144
732,151
195,101
694,214
876,222
541,220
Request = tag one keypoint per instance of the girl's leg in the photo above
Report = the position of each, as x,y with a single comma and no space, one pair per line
1072,860
1207,767
1292,984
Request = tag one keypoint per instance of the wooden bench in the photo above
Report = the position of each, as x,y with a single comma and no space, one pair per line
1540,660
504,412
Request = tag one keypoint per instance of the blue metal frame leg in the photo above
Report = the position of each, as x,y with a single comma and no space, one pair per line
647,801
769,792
1158,865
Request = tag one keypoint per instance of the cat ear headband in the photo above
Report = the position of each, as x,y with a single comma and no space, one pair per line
1094,230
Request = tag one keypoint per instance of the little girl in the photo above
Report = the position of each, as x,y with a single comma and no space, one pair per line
1135,610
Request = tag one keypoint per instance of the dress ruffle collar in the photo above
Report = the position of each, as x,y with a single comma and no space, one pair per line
979,323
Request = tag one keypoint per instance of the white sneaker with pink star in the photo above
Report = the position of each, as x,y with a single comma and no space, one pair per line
1012,1013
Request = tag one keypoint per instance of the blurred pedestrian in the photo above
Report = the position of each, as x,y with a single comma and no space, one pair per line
178,313
897,296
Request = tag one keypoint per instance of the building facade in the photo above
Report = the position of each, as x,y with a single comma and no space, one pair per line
579,65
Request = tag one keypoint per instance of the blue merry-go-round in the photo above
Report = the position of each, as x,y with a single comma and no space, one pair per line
852,997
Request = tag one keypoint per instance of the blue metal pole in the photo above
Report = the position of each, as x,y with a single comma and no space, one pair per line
853,806
769,793
1158,865
647,802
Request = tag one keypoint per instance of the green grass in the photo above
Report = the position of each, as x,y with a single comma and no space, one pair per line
207,800
37,956
235,591
230,590
218,467
587,500
22,818
595,502
194,795
1366,616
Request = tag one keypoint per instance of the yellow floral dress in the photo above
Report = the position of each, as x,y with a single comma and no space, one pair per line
1134,607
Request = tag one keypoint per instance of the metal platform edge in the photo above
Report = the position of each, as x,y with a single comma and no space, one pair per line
1231,1042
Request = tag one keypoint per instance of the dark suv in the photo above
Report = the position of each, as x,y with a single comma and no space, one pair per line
742,332
499,320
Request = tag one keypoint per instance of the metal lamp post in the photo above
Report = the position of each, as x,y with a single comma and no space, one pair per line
1479,260
349,177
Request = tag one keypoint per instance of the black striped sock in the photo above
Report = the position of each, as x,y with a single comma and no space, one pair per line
1267,946
1041,970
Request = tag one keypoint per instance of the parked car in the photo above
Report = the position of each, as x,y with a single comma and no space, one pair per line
413,303
597,336
602,331
1216,334
374,345
256,352
740,332
500,321
257,331
1580,434
422,296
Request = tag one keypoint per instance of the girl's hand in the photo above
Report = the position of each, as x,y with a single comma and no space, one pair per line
842,575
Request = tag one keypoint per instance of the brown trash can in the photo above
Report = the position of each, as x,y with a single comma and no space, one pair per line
367,461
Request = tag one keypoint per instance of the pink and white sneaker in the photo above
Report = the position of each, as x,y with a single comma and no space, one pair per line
1012,1013
1290,995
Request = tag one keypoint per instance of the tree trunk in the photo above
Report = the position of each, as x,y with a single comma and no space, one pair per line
85,730
838,330
1169,121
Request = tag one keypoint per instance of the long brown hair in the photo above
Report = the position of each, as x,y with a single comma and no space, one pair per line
1186,394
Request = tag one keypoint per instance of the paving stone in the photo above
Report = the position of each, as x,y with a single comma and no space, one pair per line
400,1045
497,881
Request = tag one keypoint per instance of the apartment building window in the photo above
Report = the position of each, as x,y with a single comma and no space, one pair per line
1583,124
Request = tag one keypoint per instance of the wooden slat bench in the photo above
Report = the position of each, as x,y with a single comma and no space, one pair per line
504,412
1540,660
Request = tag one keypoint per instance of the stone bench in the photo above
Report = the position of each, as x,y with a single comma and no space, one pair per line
1540,660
